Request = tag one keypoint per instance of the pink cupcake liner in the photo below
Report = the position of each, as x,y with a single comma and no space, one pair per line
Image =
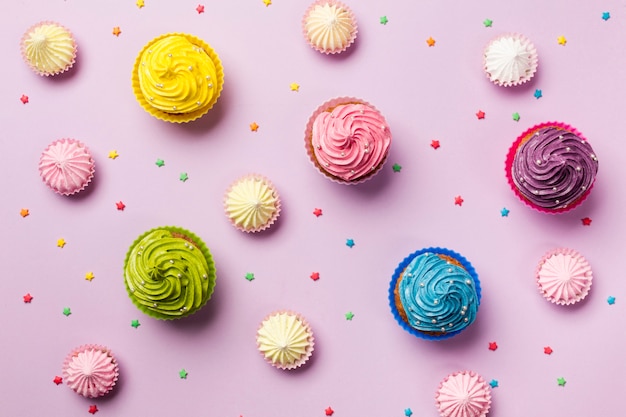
32,65
86,178
111,379
332,3
534,60
311,339
510,157
329,105
548,274
277,205
462,394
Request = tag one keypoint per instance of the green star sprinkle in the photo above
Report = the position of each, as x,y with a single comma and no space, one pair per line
160,163
183,176
561,381
250,276
183,374
383,20
487,23
67,311
135,323
349,315
516,116
396,167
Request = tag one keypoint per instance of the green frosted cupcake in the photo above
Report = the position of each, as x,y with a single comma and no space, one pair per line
169,273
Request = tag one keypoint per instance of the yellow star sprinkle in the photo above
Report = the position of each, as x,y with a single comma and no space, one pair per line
254,127
267,2
117,31
294,86
24,212
89,276
113,154
561,40
140,3
430,41
61,242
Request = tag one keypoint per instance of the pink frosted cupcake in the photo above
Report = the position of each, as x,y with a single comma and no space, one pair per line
510,60
66,166
90,370
564,276
551,167
463,394
285,340
329,26
348,140
48,48
252,203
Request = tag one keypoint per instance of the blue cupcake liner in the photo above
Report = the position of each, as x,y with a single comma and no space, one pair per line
396,275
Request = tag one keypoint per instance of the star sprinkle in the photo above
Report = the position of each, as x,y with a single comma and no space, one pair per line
430,41
250,276
487,23
547,350
113,154
135,323
516,116
606,16
28,298
458,200
140,3
183,176
561,40
315,276
200,8
61,242
610,300
254,127
57,380
561,381
493,383
294,87
349,315
480,114
396,167
504,212
408,412
538,94
160,163
183,374
435,144
493,346
89,276
586,221
24,212
329,411
317,212
383,20
24,99
349,243
93,409
267,2
117,31
67,311
120,205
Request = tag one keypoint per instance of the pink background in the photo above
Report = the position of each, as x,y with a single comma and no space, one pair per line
365,367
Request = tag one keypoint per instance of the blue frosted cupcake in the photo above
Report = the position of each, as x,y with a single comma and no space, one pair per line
434,293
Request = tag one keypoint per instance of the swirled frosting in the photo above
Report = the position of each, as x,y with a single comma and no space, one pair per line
564,276
252,203
49,48
350,141
91,371
66,166
463,394
437,296
285,340
554,167
510,60
177,76
167,274
330,27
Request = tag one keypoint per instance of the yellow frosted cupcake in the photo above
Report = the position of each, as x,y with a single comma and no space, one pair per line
252,203
177,77
48,48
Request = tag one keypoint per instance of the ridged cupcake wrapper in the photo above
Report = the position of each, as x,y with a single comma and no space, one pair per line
510,157
34,67
272,219
83,348
183,117
396,276
325,107
530,48
481,380
199,243
310,348
335,3
563,251
87,181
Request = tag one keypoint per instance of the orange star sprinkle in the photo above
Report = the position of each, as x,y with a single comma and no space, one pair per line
254,127
24,212
430,41
117,31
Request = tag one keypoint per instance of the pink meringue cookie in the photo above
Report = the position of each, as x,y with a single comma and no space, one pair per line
564,276
66,166
463,394
90,370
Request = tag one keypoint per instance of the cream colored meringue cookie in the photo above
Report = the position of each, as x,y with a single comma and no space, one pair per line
329,26
252,203
285,340
48,48
510,60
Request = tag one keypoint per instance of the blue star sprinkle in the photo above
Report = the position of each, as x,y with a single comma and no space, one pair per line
606,16
610,300
504,212
538,94
408,412
350,242
493,383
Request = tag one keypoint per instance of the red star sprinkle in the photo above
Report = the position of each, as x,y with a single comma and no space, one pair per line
480,114
434,144
329,411
547,350
120,206
493,346
200,8
458,200
586,221
315,276
317,212
57,380
93,409
28,298
24,99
